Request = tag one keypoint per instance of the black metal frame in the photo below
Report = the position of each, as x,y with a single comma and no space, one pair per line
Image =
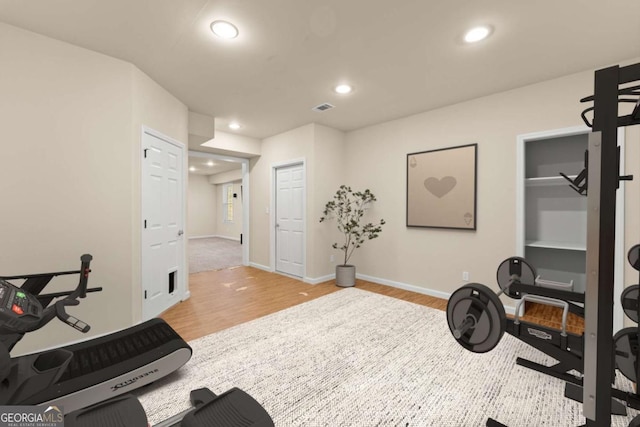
566,349
570,297
595,388
598,353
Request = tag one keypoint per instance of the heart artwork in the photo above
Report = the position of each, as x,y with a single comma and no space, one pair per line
440,187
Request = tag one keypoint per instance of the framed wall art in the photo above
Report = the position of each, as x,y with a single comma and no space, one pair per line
441,188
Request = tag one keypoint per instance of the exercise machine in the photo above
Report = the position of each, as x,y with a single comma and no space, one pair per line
234,408
89,379
477,317
78,375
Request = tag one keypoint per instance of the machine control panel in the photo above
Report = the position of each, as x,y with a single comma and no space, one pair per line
16,304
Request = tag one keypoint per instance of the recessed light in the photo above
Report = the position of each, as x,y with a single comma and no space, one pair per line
224,29
343,89
476,34
234,125
209,163
192,169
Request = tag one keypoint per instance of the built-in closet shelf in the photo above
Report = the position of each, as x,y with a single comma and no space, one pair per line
544,181
556,245
553,220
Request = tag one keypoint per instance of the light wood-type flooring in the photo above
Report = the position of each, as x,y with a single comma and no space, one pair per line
224,298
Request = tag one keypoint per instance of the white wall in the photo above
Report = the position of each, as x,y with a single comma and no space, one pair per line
322,150
435,258
70,172
155,108
234,145
329,172
292,145
229,176
202,207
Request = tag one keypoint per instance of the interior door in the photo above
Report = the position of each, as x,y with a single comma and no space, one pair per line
163,223
290,220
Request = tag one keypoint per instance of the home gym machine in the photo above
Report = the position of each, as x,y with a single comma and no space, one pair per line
81,374
478,320
476,315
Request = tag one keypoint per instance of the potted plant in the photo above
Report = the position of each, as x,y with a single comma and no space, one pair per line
348,208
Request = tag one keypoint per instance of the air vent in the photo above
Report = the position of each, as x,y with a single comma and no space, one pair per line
322,107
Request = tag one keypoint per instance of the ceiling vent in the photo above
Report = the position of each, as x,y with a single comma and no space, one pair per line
323,107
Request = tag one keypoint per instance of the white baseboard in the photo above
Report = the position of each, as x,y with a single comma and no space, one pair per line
186,296
405,286
237,239
315,281
260,267
418,289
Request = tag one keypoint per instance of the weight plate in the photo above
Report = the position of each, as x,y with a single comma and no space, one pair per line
483,305
634,257
629,300
626,345
515,268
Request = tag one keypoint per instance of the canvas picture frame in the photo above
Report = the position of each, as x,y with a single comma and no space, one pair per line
442,187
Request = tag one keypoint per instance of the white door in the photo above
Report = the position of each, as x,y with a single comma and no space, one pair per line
163,223
290,220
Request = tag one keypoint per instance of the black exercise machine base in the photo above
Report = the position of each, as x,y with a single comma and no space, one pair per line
233,408
115,364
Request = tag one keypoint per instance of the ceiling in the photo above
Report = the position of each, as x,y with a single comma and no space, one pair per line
210,166
402,57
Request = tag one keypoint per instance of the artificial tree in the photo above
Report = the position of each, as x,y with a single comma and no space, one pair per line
348,208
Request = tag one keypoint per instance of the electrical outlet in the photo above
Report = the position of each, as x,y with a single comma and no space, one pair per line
465,275
332,258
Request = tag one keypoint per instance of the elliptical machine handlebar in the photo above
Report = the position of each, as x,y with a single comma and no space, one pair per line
24,309
21,311
70,320
80,292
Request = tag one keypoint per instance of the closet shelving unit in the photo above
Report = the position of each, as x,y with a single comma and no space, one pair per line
551,216
554,214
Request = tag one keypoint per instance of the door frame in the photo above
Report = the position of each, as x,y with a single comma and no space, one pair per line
245,195
272,217
182,290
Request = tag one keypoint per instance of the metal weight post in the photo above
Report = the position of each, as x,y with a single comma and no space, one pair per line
603,180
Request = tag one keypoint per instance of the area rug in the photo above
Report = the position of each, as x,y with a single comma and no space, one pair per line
213,253
356,358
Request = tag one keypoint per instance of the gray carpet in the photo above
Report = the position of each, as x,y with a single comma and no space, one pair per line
213,253
355,358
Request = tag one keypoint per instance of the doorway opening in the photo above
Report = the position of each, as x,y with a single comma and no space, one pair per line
218,212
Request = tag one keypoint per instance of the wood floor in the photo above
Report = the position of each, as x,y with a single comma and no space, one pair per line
224,298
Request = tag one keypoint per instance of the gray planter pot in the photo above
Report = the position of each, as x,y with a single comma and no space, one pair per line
345,275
